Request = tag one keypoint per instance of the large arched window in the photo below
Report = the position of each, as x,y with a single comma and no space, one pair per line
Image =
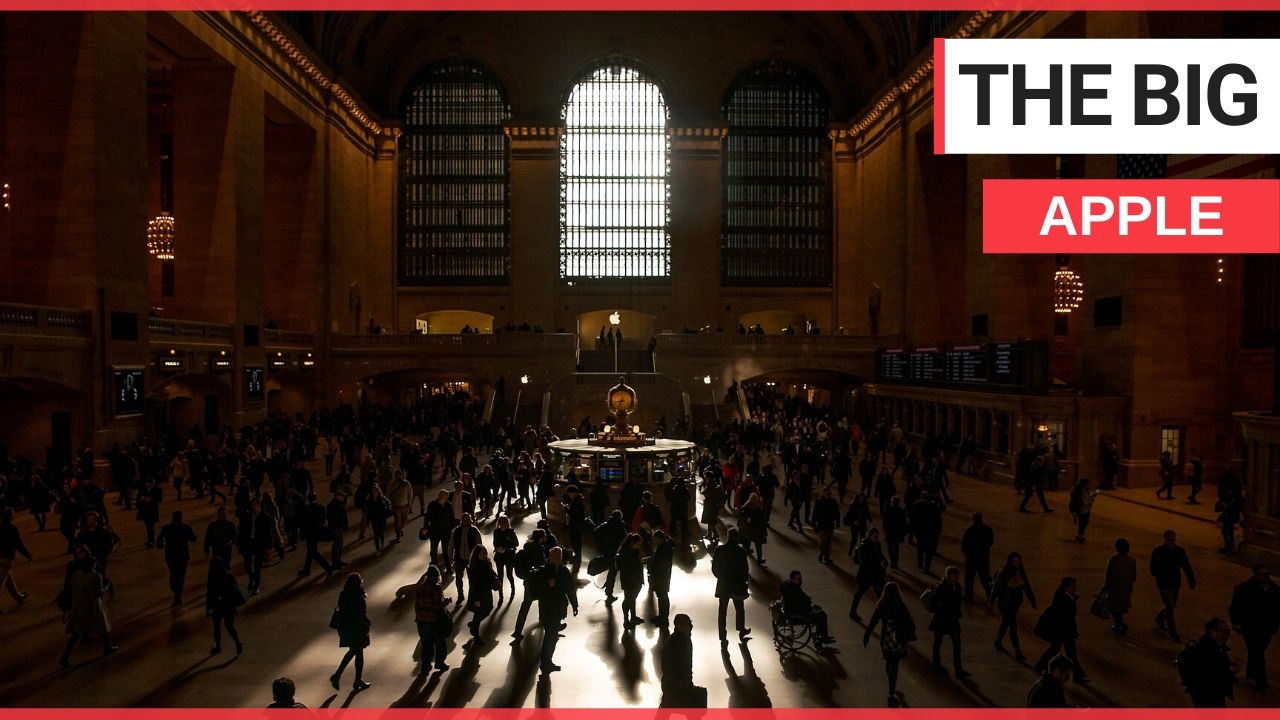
454,226
614,173
776,227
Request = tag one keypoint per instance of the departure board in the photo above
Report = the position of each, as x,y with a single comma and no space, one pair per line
1003,366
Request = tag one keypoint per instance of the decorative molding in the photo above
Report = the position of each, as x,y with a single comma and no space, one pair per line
534,131
699,133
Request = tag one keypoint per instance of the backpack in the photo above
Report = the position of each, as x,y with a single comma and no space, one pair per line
524,562
928,600
1186,664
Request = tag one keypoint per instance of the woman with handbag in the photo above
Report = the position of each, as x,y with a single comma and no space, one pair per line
223,598
82,605
1011,585
481,578
898,630
432,617
351,620
1057,626
1121,576
505,547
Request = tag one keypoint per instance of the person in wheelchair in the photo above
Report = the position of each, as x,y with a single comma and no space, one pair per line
798,608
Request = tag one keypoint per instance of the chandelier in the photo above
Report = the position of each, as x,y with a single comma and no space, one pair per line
160,236
1068,289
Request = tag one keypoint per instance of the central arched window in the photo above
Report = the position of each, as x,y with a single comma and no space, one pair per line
614,176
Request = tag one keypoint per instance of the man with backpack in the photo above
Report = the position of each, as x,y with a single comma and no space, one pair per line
1205,667
528,564
609,535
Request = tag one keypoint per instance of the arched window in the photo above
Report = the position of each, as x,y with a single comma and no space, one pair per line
614,176
776,227
454,226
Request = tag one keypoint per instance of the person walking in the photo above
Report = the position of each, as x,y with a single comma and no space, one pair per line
312,526
1206,667
1033,484
505,547
11,546
713,497
1081,506
897,631
895,530
1057,626
754,526
825,519
480,584
255,542
660,564
1168,564
857,518
1167,475
351,620
1120,577
975,546
220,537
678,689
1011,586
437,523
464,538
947,598
336,518
557,593
1229,509
1255,614
378,509
175,539
529,562
1050,690
82,606
400,493
223,599
732,573
431,615
926,523
148,512
631,577
871,570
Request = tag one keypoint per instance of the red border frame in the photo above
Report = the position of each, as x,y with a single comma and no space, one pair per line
639,5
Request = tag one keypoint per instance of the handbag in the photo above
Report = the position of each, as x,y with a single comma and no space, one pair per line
599,564
1100,605
335,620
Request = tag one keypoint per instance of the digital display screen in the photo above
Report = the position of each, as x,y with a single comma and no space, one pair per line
996,365
130,391
253,378
611,473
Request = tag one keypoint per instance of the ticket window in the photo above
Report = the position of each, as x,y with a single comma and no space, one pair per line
1049,437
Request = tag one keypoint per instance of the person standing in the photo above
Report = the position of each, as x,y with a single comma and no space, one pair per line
1229,509
464,538
505,547
755,526
713,496
1081,506
11,546
378,509
255,542
83,609
431,615
729,566
220,537
557,592
947,598
1050,690
1110,465
351,620
438,521
1168,563
678,690
222,599
1205,667
825,519
631,577
175,539
897,630
976,545
149,499
1057,626
1255,614
660,564
480,581
400,493
575,516
1011,586
1121,576
895,530
926,524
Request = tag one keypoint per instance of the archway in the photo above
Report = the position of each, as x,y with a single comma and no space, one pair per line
822,387
451,322
196,405
636,327
42,416
773,322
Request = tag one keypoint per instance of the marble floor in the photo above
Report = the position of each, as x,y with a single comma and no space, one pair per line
164,655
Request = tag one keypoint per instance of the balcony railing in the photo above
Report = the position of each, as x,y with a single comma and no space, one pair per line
56,320
188,331
820,343
289,337
507,340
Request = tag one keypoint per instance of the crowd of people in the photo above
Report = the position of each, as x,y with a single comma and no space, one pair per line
379,465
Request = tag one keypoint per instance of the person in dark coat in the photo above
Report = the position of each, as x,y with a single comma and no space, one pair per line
575,523
377,508
312,527
976,545
464,538
1168,564
11,546
175,539
505,546
754,526
1057,626
609,536
149,499
557,592
1120,577
826,518
438,521
732,573
713,496
871,570
351,620
678,690
895,530
660,564
599,502
1212,679
897,631
255,542
1050,690
631,576
81,603
481,580
947,598
677,494
1011,586
857,518
220,537
222,599
1255,614
431,615
799,607
100,541
336,519
532,557
926,525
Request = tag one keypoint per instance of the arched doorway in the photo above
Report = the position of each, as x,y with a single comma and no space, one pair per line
195,406
43,420
452,322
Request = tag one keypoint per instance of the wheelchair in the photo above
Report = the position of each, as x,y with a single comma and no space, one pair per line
790,636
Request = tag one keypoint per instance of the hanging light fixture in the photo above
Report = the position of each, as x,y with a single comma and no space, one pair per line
1068,288
161,236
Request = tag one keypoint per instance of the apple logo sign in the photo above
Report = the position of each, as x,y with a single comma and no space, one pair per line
615,319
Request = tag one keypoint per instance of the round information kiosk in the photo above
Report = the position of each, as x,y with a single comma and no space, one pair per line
622,454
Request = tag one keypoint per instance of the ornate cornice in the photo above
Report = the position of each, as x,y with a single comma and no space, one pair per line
533,131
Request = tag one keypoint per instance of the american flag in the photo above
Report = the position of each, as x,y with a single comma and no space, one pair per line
1191,167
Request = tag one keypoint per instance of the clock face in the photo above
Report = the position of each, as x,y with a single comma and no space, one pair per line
620,400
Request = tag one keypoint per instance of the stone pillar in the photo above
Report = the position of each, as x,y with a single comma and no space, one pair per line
695,222
535,221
